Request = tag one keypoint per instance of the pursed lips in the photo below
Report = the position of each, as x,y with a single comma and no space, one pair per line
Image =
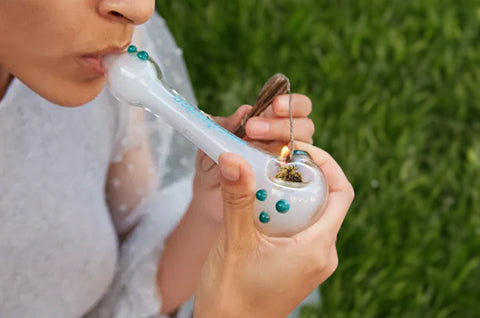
93,61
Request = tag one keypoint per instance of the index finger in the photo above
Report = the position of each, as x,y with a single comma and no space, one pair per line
301,106
340,194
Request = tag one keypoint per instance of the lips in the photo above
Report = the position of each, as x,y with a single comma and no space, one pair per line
93,61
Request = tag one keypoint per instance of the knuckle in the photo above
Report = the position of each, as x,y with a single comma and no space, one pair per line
243,110
325,260
332,265
324,265
318,266
330,240
238,199
322,262
316,262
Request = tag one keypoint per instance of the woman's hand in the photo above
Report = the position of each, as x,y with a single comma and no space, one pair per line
270,132
249,274
189,244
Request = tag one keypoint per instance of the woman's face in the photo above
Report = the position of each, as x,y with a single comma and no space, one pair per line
55,46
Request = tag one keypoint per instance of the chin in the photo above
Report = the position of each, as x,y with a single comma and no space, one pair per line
77,94
66,93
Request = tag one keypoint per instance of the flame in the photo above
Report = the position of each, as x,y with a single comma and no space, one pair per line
284,154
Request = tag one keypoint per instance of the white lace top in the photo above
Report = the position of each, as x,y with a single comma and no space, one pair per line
59,252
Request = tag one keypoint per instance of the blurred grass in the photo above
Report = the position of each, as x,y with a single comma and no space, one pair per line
396,93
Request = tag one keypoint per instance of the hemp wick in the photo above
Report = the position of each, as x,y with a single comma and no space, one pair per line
276,85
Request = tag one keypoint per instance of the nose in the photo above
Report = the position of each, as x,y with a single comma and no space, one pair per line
127,11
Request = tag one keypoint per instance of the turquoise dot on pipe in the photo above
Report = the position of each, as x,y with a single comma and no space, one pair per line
143,55
301,153
261,195
282,206
132,49
264,217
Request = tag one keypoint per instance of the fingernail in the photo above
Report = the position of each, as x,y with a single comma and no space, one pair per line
230,171
259,127
284,102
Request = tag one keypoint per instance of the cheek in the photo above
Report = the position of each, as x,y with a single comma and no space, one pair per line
46,26
38,44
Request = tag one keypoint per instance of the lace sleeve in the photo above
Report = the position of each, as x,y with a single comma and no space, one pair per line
165,192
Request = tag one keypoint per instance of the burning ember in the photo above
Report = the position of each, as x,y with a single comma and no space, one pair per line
288,171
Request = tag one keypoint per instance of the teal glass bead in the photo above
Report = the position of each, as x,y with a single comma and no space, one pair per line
282,206
143,55
261,195
264,217
132,49
301,153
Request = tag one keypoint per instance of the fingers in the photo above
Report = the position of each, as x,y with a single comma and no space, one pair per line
231,122
301,106
264,128
336,179
274,147
335,212
238,184
340,194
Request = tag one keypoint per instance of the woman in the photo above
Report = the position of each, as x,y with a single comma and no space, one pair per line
74,186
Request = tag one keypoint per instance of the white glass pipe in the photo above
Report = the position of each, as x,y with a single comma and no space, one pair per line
281,208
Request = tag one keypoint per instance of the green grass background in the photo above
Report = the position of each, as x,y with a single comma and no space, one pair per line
396,90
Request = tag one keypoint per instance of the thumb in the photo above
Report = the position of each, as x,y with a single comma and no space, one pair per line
238,185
